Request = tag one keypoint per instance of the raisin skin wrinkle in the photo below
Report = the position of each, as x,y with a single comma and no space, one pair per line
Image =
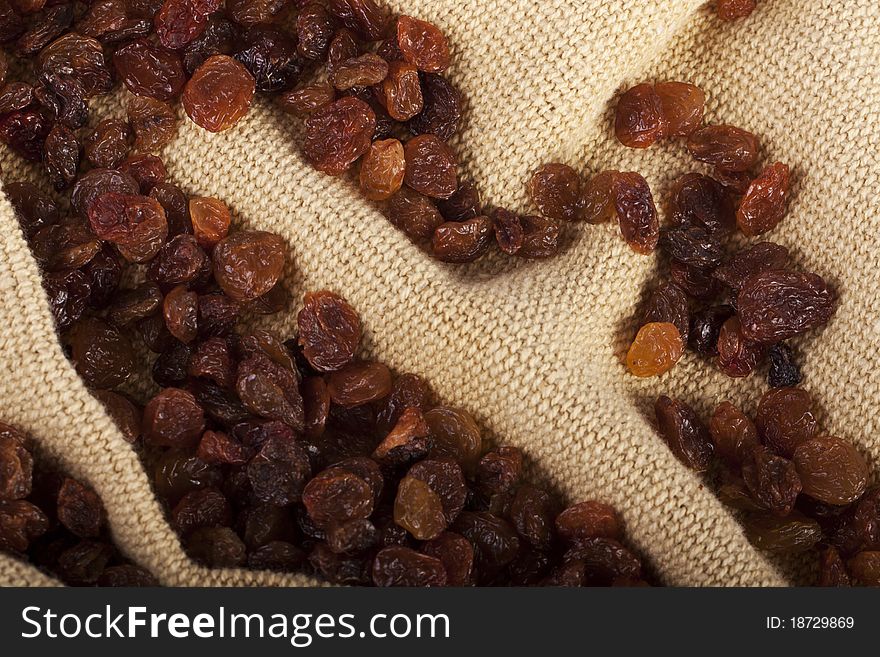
831,470
685,434
402,91
441,108
219,93
724,146
422,44
636,212
639,120
776,305
329,331
656,348
772,480
682,105
149,70
702,201
763,205
737,355
555,189
338,134
249,264
382,170
755,259
430,166
733,433
462,241
785,419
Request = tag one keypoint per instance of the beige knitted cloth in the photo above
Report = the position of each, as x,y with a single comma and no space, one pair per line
533,349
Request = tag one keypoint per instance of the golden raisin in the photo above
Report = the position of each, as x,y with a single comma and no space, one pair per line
657,347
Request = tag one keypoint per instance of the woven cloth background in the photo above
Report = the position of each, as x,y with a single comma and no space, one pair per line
533,350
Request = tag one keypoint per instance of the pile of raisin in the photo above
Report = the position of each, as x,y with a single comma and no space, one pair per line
797,488
738,308
369,85
300,456
56,522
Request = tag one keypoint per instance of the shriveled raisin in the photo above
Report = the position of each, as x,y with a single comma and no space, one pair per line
668,303
150,70
430,166
784,371
793,533
102,355
456,435
329,331
555,189
338,134
737,355
217,547
591,519
598,199
418,509
754,259
684,433
697,283
865,567
772,480
733,433
382,169
422,44
831,470
16,465
462,241
365,17
97,182
136,224
724,146
456,554
154,123
693,246
278,473
337,495
656,348
135,304
445,477
80,509
363,71
108,144
180,309
173,418
682,105
441,108
763,205
180,261
253,12
402,91
248,264
270,56
499,470
210,220
219,93
639,119
776,304
308,99
407,441
359,383
731,10
415,214
314,30
402,566
178,22
126,415
270,390
15,96
20,523
532,512
636,212
701,201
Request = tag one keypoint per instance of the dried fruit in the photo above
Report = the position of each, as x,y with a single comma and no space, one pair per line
359,383
776,305
154,123
308,99
173,418
692,246
363,71
455,434
733,433
589,519
724,146
336,495
556,191
270,56
402,566
784,371
402,91
382,169
754,259
210,220
639,119
656,348
418,509
80,509
248,264
219,93
682,107
701,201
16,465
329,331
737,355
794,533
102,355
636,212
685,434
462,241
763,205
441,108
731,10
278,473
831,470
430,166
668,303
314,30
422,44
772,480
598,198
150,70
338,134
415,214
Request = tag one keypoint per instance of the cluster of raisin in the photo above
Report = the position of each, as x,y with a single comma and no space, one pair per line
300,455
57,522
797,488
380,99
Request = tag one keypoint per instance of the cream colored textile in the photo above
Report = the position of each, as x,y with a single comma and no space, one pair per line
533,349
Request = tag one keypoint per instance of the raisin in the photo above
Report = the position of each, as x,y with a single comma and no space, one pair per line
108,144
84,563
308,99
415,214
126,415
495,541
135,304
338,134
147,170
173,418
278,473
97,182
456,555
154,123
598,198
589,519
12,25
62,99
248,264
217,547
784,371
462,241
212,359
422,44
533,512
343,47
180,309
692,246
217,315
401,91
329,331
314,30
639,120
455,434
736,182
724,146
362,71
177,472
102,355
682,106
555,189
270,390
16,465
793,533
697,283
731,10
68,293
20,523
220,37
80,509
181,260
636,212
463,204
104,273
363,16
865,567
418,509
733,433
441,108
832,571
24,132
772,480
430,166
776,305
271,58
206,507
755,259
737,355
499,470
402,566
684,433
509,230
382,169
219,93
253,12
763,205
445,477
149,70
359,383
126,575
656,348
33,209
47,26
407,391
668,303
178,22
337,495
605,560
136,224
170,368
701,201
831,470
15,96
408,441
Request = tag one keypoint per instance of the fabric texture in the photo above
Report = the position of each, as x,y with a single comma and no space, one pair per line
533,349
